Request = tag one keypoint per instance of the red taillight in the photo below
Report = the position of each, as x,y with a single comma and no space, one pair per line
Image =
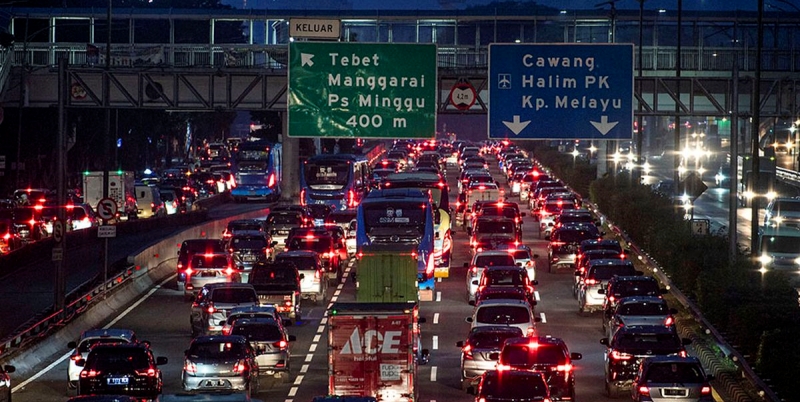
617,355
240,367
467,350
282,344
644,390
706,390
211,310
564,367
287,303
303,198
669,321
271,181
590,281
151,372
32,222
76,357
188,271
7,236
226,330
612,299
351,199
229,271
317,275
89,373
189,367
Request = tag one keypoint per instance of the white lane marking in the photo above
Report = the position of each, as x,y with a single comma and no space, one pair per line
337,292
293,391
338,289
544,318
320,329
536,296
288,400
323,321
433,374
316,338
439,279
304,368
298,380
438,296
313,348
435,342
309,357
109,325
435,318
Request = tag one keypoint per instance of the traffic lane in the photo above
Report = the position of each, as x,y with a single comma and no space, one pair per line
29,290
163,319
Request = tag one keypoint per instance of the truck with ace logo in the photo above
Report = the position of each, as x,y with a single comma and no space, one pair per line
374,350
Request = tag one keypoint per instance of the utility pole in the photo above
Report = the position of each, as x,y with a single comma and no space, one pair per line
59,229
756,113
639,125
733,202
676,160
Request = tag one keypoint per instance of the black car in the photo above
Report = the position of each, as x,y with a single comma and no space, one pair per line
512,385
5,382
625,286
564,241
544,354
630,345
128,369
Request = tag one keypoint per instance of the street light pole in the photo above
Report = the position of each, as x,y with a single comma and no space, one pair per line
639,125
677,134
756,112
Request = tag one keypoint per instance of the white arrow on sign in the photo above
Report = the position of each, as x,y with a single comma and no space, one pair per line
517,126
604,126
306,59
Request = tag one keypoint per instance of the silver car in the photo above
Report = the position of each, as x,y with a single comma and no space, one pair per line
670,379
639,310
271,343
208,268
480,261
481,343
507,312
220,363
309,265
598,272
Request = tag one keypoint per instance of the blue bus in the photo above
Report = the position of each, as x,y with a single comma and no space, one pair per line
401,216
340,181
256,169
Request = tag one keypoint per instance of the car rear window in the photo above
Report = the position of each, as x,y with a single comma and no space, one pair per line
523,387
503,315
302,263
273,274
675,373
248,242
87,344
122,359
503,277
318,244
528,355
637,288
234,295
605,272
521,255
215,262
216,350
258,332
642,309
494,260
575,235
285,219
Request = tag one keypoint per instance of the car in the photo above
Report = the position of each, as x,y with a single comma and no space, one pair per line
591,295
345,219
248,247
129,369
476,351
671,378
548,213
491,231
260,311
523,257
638,310
5,382
279,223
213,303
148,201
10,239
169,197
249,225
208,268
328,249
621,286
220,363
479,262
513,313
583,259
278,284
309,265
496,208
30,223
269,339
595,244
632,344
512,385
500,292
543,354
564,241
783,211
191,247
89,339
507,277
103,398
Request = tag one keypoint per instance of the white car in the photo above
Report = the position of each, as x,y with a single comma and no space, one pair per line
513,313
479,262
89,339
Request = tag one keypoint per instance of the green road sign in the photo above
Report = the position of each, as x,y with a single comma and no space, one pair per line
362,90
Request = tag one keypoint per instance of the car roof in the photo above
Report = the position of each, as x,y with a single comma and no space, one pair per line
544,339
495,328
646,329
503,302
223,285
219,339
640,299
297,253
108,333
609,261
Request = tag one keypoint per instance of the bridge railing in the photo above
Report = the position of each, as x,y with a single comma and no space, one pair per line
450,57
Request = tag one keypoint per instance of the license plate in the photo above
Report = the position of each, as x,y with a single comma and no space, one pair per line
319,201
216,384
117,381
319,222
283,232
208,274
249,258
675,392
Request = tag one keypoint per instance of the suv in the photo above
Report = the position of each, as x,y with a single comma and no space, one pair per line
507,277
271,343
195,246
477,350
246,248
280,222
674,378
5,382
782,211
513,313
630,345
278,284
480,261
546,355
89,339
121,369
591,295
548,214
213,303
312,285
624,286
347,221
220,363
564,243
207,268
499,386
638,310
328,249
238,225
265,311
490,231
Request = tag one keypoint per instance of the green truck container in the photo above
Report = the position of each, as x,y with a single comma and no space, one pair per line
387,273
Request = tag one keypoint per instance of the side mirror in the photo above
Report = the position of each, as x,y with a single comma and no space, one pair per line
475,282
221,322
519,264
577,273
536,256
422,320
535,282
604,341
436,235
710,377
460,344
287,323
273,244
602,233
9,369
292,338
494,356
575,356
161,360
72,345
471,302
302,276
663,291
80,362
639,273
468,319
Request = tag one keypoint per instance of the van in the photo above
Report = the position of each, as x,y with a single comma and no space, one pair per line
148,201
778,248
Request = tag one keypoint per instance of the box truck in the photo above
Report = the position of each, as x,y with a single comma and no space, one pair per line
374,350
120,189
387,273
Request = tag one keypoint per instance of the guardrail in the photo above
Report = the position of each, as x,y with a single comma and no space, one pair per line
729,352
789,176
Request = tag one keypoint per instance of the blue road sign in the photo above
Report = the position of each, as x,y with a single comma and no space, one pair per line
561,91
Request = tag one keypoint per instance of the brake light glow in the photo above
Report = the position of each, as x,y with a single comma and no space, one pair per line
211,309
229,271
564,367
76,357
281,344
240,367
303,202
617,355
590,281
669,321
351,199
189,271
430,266
706,390
150,372
89,373
644,390
467,350
190,367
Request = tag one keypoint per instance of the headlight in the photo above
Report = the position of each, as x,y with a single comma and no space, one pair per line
765,259
797,261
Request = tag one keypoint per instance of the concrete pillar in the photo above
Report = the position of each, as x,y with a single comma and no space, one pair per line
290,184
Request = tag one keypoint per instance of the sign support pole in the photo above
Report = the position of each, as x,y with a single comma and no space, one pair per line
59,288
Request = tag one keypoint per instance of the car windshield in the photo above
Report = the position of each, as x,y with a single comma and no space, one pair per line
484,227
535,353
285,219
647,340
316,243
234,295
642,309
636,288
122,359
504,212
209,262
575,235
216,350
503,315
494,260
87,344
248,242
302,263
513,386
244,226
606,272
780,244
258,332
675,373
504,277
786,206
